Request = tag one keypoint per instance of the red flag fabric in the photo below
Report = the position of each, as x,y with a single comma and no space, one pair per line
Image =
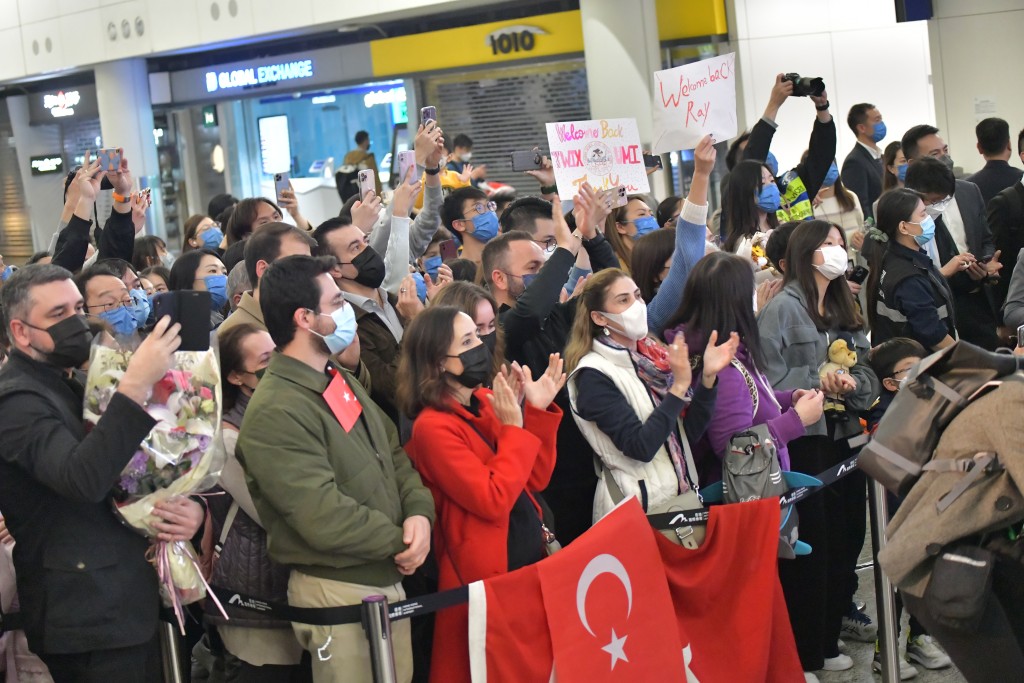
342,401
728,598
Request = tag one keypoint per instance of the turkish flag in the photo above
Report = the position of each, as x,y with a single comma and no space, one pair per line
608,606
342,401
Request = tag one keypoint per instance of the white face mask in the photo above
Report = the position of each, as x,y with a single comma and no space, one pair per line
632,322
835,261
466,157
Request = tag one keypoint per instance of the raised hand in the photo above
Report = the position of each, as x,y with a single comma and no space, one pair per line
121,178
545,175
444,277
716,358
409,305
704,156
467,173
365,213
505,404
541,392
151,361
563,235
139,206
88,179
405,194
426,143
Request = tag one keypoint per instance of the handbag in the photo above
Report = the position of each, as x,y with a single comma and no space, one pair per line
686,535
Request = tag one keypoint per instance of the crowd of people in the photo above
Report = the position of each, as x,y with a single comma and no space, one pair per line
495,383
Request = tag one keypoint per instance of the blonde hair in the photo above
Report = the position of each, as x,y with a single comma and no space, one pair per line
584,329
618,241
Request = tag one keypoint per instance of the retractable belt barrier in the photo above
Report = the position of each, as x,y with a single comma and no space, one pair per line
428,604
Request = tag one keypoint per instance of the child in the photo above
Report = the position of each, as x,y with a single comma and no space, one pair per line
892,361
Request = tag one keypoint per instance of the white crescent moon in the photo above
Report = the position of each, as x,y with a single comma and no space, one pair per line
602,564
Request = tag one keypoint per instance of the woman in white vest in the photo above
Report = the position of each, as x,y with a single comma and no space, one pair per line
628,392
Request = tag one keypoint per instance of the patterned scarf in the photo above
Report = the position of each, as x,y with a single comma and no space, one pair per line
651,362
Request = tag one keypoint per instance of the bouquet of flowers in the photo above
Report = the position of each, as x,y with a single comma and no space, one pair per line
758,248
182,455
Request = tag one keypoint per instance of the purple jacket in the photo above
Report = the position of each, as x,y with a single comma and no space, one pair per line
734,412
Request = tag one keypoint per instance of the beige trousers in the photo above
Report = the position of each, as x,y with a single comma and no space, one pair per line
341,654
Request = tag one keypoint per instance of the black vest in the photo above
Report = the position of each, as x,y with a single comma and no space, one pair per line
897,267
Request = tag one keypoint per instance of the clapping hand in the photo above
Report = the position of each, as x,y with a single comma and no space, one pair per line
505,404
541,392
716,358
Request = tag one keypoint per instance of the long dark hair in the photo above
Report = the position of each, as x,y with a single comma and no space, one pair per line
621,243
718,297
183,272
421,378
890,181
648,259
843,196
894,207
232,359
466,296
840,308
740,203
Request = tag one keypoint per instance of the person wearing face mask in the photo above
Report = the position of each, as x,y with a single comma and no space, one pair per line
342,505
626,224
107,299
478,304
256,647
359,273
907,295
863,166
459,159
202,270
614,363
797,327
837,205
201,232
962,248
484,454
88,596
469,215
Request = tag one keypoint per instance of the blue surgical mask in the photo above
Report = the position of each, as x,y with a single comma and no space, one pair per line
927,231
212,238
217,286
344,329
167,260
901,172
772,163
832,176
769,199
878,134
645,225
485,226
430,266
120,319
140,307
7,272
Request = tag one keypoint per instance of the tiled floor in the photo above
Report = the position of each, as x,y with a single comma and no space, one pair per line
862,653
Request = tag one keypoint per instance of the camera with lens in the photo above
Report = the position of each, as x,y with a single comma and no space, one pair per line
804,86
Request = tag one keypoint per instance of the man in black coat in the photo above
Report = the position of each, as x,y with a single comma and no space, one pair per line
994,144
1006,218
88,595
862,168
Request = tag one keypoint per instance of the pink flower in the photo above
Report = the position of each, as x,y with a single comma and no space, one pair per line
205,393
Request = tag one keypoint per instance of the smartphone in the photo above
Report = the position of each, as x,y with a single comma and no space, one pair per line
366,182
858,275
652,161
109,158
616,196
281,183
406,160
528,160
1020,336
191,310
147,196
428,114
449,250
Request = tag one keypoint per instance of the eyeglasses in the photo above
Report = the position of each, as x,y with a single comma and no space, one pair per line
480,207
547,245
941,204
126,302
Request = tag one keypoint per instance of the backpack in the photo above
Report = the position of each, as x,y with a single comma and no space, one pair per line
936,390
347,181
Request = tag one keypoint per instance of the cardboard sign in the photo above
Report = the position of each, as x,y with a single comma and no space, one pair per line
605,153
694,100
342,401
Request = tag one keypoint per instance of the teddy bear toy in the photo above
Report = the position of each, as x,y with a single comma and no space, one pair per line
841,359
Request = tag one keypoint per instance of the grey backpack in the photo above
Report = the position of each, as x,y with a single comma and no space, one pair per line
751,469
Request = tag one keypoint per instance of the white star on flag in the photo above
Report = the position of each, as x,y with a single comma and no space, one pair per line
617,649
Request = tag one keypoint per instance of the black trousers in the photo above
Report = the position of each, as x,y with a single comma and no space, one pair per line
817,586
135,664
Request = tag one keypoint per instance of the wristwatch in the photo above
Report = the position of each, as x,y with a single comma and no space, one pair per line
121,199
822,107
548,189
434,171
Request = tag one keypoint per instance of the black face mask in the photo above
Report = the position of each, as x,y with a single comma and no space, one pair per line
476,367
72,341
371,268
490,341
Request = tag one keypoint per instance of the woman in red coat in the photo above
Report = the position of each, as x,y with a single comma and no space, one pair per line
482,455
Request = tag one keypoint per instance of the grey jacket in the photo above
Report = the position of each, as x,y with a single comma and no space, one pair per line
1013,309
794,349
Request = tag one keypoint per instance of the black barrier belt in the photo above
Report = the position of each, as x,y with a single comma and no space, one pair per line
427,604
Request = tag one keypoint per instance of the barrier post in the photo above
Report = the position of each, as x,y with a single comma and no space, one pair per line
885,597
170,653
377,626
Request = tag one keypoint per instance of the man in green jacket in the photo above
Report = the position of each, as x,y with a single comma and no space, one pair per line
339,498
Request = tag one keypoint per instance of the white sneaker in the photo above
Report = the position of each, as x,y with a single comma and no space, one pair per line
841,645
907,670
840,662
924,651
810,678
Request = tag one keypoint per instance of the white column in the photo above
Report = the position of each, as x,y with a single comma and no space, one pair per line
621,50
43,194
126,121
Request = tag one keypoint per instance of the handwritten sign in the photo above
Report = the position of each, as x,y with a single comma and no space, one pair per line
694,100
605,153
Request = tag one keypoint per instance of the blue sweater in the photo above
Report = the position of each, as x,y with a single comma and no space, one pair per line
691,229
